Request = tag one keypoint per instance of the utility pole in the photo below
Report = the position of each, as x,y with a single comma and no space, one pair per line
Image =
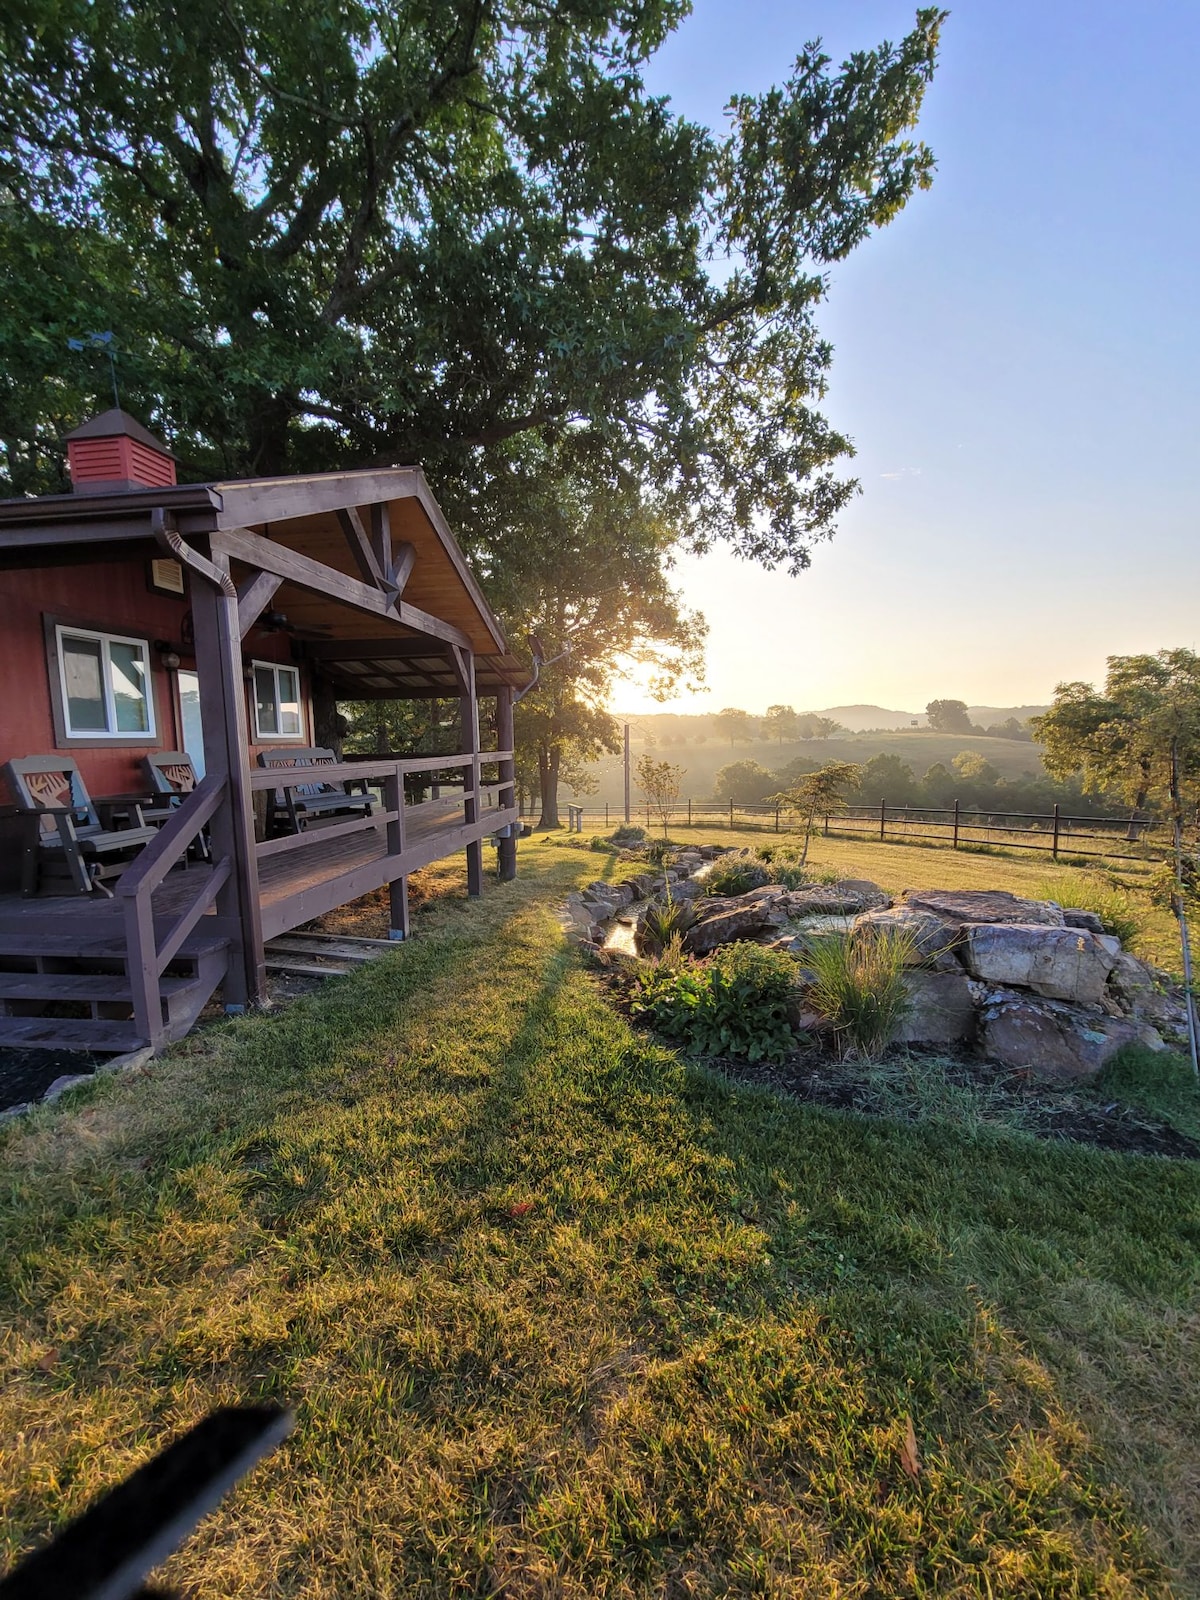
627,773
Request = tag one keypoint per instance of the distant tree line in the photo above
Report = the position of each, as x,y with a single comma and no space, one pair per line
970,779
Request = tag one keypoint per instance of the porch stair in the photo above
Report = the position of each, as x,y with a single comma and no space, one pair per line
72,991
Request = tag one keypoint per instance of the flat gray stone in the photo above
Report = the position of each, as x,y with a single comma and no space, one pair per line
1060,963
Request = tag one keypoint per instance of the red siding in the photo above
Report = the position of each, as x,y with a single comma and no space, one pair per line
109,597
148,467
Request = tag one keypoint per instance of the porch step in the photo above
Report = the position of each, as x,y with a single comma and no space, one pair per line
319,944
85,947
65,1033
80,986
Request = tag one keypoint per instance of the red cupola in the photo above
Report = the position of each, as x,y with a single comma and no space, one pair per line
113,451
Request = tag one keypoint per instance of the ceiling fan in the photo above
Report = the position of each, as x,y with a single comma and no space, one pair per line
277,622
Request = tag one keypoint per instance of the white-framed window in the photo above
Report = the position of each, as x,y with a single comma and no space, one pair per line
276,701
106,685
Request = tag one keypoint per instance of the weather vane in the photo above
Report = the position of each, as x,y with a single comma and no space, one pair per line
104,342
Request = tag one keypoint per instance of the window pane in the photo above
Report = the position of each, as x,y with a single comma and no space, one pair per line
289,708
85,694
129,687
266,709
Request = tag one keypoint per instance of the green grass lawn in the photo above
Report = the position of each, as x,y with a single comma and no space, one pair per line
562,1315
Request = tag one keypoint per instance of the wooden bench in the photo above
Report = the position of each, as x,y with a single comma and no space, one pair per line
303,797
68,840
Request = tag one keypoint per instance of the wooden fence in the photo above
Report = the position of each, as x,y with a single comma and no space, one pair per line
1054,833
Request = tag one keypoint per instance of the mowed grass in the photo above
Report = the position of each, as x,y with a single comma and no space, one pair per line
562,1315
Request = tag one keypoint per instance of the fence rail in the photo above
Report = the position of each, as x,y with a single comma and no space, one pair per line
1055,833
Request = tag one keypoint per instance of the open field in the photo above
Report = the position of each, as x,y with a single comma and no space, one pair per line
920,748
564,1315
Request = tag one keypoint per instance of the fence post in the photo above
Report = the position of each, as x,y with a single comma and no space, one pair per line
882,818
606,814
1054,846
689,813
825,830
731,814
647,813
776,819
956,825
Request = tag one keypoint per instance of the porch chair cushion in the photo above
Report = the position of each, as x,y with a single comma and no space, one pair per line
69,832
294,804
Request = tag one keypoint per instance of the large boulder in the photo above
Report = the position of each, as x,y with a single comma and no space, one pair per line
1146,995
928,938
740,917
1061,963
941,1009
844,898
962,907
1051,1040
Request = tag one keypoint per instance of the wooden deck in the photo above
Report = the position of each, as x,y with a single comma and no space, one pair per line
295,887
73,948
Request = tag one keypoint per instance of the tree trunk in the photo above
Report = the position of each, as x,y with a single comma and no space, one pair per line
548,765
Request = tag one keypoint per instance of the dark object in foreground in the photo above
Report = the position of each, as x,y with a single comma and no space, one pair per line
107,1552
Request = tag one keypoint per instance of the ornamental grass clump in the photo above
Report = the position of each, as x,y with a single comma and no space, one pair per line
858,987
736,1004
664,922
736,875
1118,912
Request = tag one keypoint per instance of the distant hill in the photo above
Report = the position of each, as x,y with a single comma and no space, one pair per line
860,719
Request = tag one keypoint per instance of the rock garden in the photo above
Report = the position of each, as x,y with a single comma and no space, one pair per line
823,987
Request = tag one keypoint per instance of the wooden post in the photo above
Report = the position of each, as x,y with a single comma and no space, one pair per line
226,755
956,825
606,814
393,800
469,715
882,818
731,814
1054,845
626,774
506,740
776,819
689,813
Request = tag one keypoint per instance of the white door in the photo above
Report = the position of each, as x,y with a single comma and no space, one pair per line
191,726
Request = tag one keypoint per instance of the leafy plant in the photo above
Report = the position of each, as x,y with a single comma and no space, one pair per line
858,987
664,922
1116,910
657,850
736,875
604,847
736,1004
627,834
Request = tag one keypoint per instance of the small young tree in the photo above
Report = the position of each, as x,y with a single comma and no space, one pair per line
660,782
821,793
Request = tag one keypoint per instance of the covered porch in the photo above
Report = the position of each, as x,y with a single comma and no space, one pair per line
352,580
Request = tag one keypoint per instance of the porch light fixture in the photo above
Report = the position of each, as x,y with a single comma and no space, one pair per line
167,654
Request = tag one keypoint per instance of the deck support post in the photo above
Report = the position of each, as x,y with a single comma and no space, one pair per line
506,740
226,755
469,722
393,800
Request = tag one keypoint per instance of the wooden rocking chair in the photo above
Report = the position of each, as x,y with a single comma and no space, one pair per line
67,837
172,777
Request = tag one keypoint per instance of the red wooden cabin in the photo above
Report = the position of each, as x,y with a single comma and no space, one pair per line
139,615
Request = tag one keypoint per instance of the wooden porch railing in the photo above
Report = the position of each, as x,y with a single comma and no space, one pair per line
407,845
147,956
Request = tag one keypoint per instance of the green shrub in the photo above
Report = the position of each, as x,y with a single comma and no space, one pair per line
736,1004
858,987
736,875
664,922
1116,910
628,833
604,847
789,874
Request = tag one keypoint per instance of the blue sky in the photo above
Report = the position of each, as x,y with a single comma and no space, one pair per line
1016,360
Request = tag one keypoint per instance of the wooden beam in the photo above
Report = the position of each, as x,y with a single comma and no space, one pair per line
399,647
506,739
365,556
254,597
270,556
276,499
226,755
403,561
469,707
